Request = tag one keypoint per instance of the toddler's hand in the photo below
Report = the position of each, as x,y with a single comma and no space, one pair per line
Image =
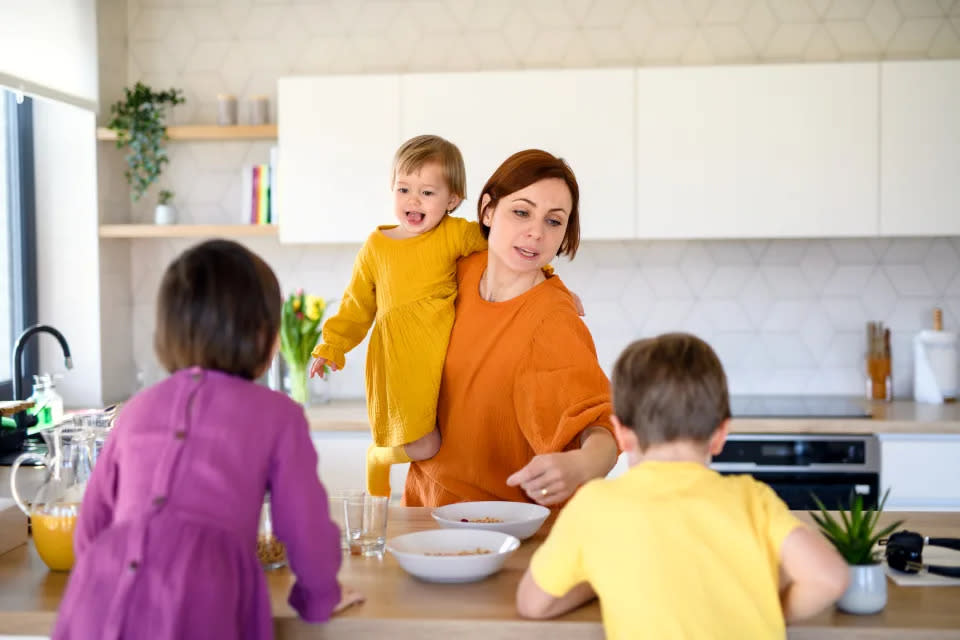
578,303
320,367
348,598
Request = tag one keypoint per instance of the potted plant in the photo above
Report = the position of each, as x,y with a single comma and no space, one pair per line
299,332
855,536
165,213
138,120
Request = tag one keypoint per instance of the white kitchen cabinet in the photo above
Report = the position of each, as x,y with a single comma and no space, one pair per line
582,115
757,151
337,136
920,148
343,461
922,471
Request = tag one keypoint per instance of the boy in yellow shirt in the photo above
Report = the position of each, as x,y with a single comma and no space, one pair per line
673,549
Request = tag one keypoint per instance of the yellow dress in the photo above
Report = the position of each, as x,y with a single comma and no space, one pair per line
406,288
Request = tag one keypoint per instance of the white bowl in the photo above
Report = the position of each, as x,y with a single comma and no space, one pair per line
410,551
520,519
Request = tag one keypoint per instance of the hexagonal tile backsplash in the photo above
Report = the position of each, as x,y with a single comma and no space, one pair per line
786,316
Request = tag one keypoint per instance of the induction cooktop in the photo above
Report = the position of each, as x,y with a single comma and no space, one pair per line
786,406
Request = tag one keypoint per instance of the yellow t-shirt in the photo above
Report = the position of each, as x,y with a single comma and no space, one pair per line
673,550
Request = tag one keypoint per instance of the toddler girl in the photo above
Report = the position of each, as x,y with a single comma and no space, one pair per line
405,278
166,538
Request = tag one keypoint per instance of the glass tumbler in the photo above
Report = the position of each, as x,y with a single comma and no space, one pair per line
365,518
270,550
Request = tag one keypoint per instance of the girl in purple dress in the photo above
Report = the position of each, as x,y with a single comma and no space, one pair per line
165,543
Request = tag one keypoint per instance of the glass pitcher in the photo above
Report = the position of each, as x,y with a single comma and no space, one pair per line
53,510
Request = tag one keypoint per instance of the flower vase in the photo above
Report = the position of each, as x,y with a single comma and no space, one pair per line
299,383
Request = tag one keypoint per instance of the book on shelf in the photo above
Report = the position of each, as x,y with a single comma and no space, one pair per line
258,192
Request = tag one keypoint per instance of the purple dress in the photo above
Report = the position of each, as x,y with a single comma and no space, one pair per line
166,539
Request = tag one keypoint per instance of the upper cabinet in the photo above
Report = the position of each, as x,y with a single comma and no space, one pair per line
920,148
582,115
767,151
757,151
337,136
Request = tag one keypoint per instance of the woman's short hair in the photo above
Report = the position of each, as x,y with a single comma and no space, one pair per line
218,308
671,387
419,150
521,170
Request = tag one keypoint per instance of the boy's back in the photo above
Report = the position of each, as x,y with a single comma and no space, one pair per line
673,550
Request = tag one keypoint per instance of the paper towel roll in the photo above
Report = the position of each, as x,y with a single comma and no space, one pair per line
935,366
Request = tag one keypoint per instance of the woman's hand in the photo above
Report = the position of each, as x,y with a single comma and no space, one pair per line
318,368
551,478
348,598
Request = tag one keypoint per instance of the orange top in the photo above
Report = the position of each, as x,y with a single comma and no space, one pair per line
521,378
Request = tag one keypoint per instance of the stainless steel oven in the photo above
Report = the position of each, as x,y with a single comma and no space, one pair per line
833,467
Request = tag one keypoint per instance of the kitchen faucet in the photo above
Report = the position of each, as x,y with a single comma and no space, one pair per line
24,419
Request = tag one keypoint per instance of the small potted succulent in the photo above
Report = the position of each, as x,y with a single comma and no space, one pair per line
855,536
165,212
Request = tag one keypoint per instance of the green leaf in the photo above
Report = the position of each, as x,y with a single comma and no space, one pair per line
855,533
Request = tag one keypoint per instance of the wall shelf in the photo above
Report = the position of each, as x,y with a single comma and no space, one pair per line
208,132
187,230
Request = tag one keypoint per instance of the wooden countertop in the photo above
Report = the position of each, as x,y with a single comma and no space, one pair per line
899,417
400,606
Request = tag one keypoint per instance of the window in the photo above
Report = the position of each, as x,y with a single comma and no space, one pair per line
18,279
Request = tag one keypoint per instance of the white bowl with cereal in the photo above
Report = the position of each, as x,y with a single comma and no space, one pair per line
519,519
452,555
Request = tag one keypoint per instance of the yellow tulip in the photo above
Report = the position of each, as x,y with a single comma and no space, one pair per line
315,307
296,304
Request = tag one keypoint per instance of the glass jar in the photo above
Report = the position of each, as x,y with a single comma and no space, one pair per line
270,550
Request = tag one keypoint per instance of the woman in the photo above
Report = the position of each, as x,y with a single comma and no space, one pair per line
524,406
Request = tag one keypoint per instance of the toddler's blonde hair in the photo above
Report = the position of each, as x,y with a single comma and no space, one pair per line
419,150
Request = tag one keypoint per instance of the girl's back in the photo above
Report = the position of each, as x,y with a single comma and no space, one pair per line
166,542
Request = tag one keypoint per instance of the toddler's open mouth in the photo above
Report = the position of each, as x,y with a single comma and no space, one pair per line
415,217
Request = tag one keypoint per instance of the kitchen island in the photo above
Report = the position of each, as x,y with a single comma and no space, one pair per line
399,606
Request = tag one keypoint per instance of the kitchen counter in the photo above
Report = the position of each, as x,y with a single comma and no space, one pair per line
900,417
401,607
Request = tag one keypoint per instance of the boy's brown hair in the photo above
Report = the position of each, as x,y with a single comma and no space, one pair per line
419,150
521,170
669,388
218,308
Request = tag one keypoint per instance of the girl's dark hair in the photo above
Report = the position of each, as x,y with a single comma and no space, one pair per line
218,308
521,170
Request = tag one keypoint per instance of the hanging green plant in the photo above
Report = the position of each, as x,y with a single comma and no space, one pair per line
138,120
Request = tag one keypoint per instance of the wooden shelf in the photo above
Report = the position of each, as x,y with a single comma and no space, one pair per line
209,132
187,230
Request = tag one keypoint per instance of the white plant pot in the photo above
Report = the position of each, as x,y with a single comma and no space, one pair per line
165,214
867,592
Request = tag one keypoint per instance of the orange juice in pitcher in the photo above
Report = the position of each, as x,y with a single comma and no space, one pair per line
54,508
53,534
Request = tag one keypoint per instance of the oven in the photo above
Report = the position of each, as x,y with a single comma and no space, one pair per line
831,466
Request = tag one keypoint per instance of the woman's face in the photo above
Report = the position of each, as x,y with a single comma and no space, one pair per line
528,226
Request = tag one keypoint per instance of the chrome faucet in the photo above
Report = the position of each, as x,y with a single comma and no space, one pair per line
24,419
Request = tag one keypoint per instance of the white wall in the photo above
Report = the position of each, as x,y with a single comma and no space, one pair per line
68,274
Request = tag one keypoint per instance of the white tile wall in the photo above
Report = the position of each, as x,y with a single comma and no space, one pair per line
785,315
774,329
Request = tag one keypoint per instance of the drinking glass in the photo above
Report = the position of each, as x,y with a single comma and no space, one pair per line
338,499
365,518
